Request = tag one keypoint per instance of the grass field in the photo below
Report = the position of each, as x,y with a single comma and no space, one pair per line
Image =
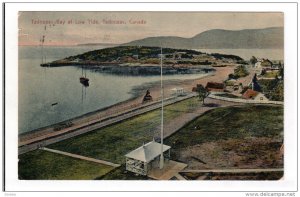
232,127
230,123
113,142
272,74
232,137
236,176
120,173
43,165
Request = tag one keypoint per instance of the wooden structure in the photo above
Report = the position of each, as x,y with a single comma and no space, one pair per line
178,92
146,157
254,95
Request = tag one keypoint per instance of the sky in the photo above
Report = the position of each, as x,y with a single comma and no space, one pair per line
72,28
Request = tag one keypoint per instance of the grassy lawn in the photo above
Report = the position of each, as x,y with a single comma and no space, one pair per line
227,95
227,123
43,165
113,142
120,173
271,74
236,176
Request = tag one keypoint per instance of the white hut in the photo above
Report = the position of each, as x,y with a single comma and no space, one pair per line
177,91
146,157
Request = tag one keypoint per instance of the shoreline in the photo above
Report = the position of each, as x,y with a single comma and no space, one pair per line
135,69
136,92
219,75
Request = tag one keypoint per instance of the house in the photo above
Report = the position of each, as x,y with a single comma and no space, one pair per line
135,56
178,55
258,68
165,56
146,157
257,64
262,64
232,80
254,95
126,59
215,87
76,60
266,63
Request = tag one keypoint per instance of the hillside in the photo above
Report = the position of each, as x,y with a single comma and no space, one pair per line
269,38
128,54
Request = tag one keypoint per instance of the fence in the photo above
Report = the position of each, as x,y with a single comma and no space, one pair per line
215,96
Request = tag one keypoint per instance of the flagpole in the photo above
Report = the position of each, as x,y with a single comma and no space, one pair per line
161,163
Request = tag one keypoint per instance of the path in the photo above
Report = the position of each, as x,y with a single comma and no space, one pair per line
235,170
177,123
170,169
81,157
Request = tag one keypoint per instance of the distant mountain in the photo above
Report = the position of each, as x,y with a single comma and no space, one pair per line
268,38
96,44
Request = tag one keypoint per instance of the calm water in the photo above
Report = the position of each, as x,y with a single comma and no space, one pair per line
40,87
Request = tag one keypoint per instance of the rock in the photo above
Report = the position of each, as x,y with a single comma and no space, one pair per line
147,97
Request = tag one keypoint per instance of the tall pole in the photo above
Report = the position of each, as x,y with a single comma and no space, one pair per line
161,163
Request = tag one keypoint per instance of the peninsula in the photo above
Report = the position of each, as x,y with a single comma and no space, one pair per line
141,60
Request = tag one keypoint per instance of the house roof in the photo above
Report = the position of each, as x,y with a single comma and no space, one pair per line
214,85
250,94
147,152
232,80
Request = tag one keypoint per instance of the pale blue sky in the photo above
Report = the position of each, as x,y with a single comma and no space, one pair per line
182,24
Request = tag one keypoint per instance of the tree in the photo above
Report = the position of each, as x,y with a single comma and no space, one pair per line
253,60
202,92
231,76
240,71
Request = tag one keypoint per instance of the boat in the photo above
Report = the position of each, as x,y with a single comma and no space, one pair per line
83,79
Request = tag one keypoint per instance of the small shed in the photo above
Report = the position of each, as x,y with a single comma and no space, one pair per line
146,157
177,91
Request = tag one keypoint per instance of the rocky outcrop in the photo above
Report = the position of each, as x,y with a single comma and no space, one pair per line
147,97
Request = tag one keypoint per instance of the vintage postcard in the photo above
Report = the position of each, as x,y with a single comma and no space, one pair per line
190,96
137,96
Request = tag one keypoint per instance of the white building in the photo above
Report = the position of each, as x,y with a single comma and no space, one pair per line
254,95
260,97
146,157
178,92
